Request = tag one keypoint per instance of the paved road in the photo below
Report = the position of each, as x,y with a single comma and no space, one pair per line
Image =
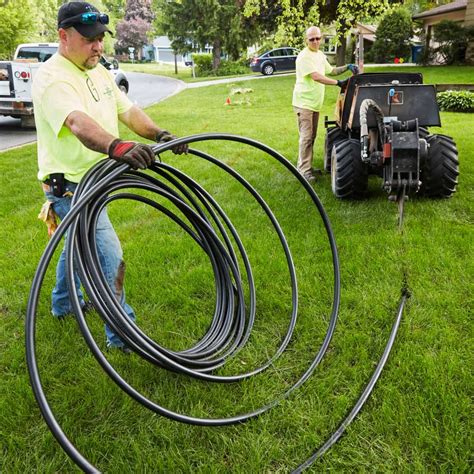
145,90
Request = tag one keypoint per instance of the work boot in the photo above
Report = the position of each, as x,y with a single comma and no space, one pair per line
310,177
87,307
124,348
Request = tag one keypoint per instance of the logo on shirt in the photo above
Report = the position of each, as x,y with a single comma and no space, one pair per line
108,91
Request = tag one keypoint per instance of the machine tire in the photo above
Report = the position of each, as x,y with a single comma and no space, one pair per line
349,175
439,172
423,132
268,69
333,135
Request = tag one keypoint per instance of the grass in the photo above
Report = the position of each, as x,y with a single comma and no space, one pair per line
419,419
431,74
185,73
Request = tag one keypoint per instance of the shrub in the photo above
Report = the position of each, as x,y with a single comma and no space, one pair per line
203,64
392,37
456,101
453,39
229,68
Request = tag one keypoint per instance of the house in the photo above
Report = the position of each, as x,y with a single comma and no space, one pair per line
329,48
161,51
460,11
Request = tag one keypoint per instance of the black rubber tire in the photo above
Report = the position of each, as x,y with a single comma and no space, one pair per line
423,132
439,172
27,121
333,135
123,86
268,69
349,175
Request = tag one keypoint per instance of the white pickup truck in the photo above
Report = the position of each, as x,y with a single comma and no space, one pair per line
15,90
16,78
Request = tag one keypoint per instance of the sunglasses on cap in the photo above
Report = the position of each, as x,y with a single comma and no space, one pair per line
88,18
316,38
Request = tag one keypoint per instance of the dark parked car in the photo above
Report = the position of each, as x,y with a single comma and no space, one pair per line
279,59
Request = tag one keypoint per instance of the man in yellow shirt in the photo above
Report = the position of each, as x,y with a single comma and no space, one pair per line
312,68
77,110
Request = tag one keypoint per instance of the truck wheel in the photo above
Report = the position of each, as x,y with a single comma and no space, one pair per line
439,172
27,121
333,135
349,175
123,86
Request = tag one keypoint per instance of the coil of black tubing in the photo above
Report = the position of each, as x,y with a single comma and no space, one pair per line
230,327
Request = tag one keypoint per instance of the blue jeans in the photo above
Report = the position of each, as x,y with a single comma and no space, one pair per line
110,255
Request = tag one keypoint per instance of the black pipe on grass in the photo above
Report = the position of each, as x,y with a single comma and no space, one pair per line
206,223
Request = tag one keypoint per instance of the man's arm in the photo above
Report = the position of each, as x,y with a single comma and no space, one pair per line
89,132
140,123
339,70
323,79
94,137
334,72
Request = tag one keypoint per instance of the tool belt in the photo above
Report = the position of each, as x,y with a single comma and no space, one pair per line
56,183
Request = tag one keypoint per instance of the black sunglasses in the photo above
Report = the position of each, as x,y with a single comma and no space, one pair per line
316,38
88,18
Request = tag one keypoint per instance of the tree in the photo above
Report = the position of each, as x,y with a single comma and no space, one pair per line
417,6
133,30
453,39
393,36
45,27
198,24
18,21
115,8
297,15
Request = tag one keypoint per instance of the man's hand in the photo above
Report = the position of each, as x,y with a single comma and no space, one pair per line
353,68
164,136
343,84
137,155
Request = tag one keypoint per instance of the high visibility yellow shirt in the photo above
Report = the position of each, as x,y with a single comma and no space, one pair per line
60,88
309,94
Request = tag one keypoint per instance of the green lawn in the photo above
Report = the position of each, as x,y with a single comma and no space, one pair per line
185,73
419,418
431,75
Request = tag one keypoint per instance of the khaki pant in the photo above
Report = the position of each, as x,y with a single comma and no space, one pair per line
308,127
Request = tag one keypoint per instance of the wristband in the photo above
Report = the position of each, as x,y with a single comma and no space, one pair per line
161,134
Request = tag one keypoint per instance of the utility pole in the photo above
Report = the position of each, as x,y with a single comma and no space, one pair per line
360,52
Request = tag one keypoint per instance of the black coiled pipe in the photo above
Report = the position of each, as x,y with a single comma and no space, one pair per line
232,321
206,223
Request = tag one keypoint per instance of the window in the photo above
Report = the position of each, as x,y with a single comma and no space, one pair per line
328,45
42,54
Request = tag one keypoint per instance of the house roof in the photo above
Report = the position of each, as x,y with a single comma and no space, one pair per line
449,7
367,30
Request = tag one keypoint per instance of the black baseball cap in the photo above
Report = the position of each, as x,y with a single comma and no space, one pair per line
89,26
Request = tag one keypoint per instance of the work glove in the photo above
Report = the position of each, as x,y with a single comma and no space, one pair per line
137,155
343,84
353,68
164,136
